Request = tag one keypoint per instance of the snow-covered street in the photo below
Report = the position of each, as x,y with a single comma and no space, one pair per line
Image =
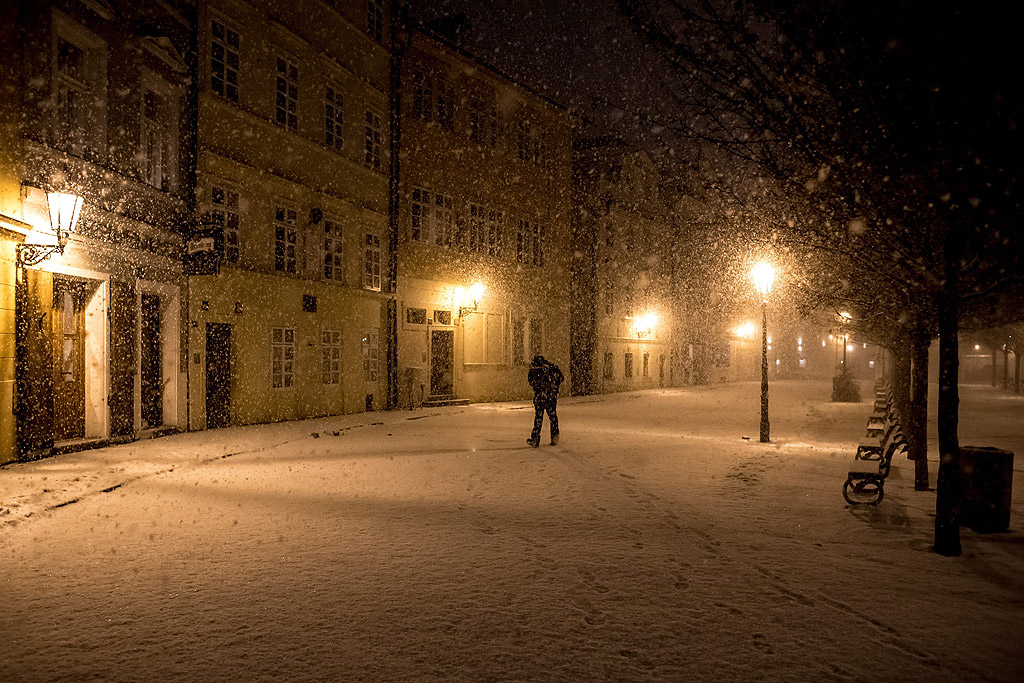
655,543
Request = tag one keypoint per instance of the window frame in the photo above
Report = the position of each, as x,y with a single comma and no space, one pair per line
290,229
287,361
334,117
224,209
371,261
330,357
370,354
226,50
373,140
286,115
333,238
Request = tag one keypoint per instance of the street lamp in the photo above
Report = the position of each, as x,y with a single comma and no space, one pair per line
846,335
64,211
476,292
763,275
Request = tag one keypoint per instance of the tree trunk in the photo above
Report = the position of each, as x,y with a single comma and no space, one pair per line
917,427
947,502
901,380
995,366
1006,368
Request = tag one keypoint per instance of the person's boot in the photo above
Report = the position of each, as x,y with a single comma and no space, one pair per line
534,443
554,439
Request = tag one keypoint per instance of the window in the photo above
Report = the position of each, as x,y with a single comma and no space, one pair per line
371,262
373,140
422,95
330,356
283,354
495,221
484,124
442,317
529,146
530,238
521,233
224,212
477,227
333,117
647,363
286,104
609,365
286,240
444,102
369,351
333,255
79,83
537,251
536,336
224,48
416,316
627,369
154,138
519,341
375,19
431,217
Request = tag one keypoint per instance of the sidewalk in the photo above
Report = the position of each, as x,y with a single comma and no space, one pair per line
30,488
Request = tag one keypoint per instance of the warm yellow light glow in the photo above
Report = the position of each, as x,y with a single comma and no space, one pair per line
643,325
799,341
823,342
849,347
845,316
64,211
977,347
476,290
763,275
799,347
746,330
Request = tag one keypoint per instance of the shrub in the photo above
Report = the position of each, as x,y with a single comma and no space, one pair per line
845,389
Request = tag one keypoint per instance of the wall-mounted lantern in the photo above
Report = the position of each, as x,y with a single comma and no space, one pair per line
476,292
65,209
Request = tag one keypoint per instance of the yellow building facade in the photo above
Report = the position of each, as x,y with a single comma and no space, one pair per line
483,227
292,188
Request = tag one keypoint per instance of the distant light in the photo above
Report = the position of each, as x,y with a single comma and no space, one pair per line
822,343
769,347
977,347
799,341
865,346
776,361
849,347
799,347
871,363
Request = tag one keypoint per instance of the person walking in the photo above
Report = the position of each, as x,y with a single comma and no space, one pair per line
544,377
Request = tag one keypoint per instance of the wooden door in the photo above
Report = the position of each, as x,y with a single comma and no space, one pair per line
442,361
151,362
68,359
218,375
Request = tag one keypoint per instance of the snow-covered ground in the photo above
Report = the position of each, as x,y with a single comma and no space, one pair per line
654,543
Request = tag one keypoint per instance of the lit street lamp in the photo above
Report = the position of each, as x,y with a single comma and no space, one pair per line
763,276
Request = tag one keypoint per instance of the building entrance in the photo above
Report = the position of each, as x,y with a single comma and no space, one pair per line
442,361
218,375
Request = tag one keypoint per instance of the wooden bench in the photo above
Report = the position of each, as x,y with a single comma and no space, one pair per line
865,480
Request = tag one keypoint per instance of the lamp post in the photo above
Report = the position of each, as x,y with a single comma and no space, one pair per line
846,335
763,276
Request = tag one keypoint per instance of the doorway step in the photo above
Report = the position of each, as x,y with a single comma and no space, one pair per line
438,400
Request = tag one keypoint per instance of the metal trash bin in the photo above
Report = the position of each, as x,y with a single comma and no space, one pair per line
986,483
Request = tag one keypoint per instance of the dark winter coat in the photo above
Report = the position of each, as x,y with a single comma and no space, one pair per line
545,377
